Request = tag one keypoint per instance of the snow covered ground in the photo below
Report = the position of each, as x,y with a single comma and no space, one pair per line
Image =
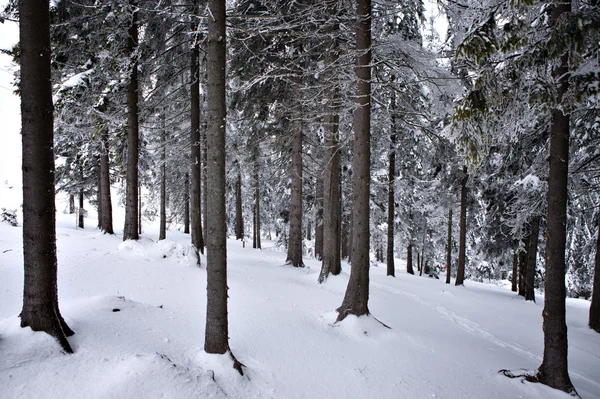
138,310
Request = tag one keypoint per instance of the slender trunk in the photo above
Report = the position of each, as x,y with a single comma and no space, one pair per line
256,239
344,237
71,204
239,218
422,259
196,163
532,259
140,209
554,370
40,293
81,223
130,231
186,206
106,200
309,230
163,184
99,196
594,321
514,272
523,266
409,260
356,298
391,269
294,255
449,248
462,249
319,219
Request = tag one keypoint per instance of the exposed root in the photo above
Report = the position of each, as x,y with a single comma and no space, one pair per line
533,376
239,366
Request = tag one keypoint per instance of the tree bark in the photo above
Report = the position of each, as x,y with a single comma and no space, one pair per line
106,222
81,222
294,255
319,193
594,321
523,266
532,259
356,298
344,237
462,249
130,231
139,209
409,259
256,236
195,154
186,206
514,272
71,204
40,293
391,268
449,248
554,370
163,184
239,218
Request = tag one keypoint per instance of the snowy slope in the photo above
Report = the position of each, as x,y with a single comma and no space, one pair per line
444,341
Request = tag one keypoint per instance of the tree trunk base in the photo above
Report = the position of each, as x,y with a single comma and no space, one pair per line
50,321
537,376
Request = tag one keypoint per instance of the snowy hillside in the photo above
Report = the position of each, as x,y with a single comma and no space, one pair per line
138,310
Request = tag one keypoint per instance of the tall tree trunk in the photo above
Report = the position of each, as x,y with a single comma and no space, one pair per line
71,204
163,184
449,248
256,237
332,180
514,272
309,230
409,259
319,219
523,265
344,237
217,330
81,222
462,249
139,209
196,162
554,369
99,196
40,293
186,206
294,255
239,218
391,268
356,298
130,231
532,259
594,321
106,222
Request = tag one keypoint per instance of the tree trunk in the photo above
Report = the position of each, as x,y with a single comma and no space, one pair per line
462,249
422,259
81,222
239,218
391,268
186,207
554,369
514,272
196,162
418,260
319,219
40,293
309,230
344,237
595,305
163,184
139,209
294,255
409,260
217,330
532,259
130,231
449,248
356,298
99,196
71,204
106,222
256,236
523,266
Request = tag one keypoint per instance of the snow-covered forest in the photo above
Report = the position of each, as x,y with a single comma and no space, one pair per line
302,199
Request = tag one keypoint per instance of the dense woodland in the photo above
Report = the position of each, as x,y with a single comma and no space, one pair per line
341,129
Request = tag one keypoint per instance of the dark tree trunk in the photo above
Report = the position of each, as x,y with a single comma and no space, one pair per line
186,207
462,249
449,248
523,266
309,230
163,184
332,196
418,260
554,370
294,255
595,305
239,218
514,272
99,196
204,197
344,237
106,222
356,298
71,204
256,230
532,259
130,231
81,222
422,259
217,330
196,162
40,293
409,260
319,219
139,209
391,268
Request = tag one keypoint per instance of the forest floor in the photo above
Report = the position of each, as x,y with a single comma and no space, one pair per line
444,341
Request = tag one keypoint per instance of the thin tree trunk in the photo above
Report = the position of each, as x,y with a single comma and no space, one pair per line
294,255
449,248
391,268
130,231
554,370
186,207
196,162
409,259
40,293
81,223
319,219
514,272
344,237
71,204
309,230
163,184
462,249
239,218
523,266
256,239
532,259
356,298
594,321
99,196
106,201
